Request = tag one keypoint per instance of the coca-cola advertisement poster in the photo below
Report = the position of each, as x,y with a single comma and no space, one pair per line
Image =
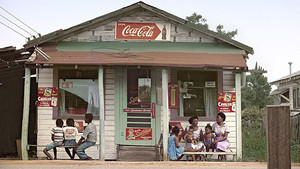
143,31
47,97
226,102
138,133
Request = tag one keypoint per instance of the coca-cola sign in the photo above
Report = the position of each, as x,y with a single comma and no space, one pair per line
143,31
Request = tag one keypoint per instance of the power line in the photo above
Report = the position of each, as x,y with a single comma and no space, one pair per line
18,20
16,25
14,30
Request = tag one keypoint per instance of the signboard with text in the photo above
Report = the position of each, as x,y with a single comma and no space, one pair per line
226,102
138,133
143,31
47,97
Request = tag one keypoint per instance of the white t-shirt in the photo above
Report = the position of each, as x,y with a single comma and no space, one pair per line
220,129
70,133
196,133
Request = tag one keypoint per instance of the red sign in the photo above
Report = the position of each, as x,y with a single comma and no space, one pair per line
181,130
47,96
79,126
144,31
138,133
226,102
173,96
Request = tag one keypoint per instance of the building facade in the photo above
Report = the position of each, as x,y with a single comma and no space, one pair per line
137,69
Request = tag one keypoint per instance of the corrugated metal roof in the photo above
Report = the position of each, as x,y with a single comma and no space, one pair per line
193,60
294,76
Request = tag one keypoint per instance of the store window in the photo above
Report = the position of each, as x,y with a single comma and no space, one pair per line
78,92
138,88
197,93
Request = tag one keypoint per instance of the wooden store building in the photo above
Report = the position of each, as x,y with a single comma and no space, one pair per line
135,69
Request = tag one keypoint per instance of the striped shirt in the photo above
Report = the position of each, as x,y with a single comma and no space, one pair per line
58,134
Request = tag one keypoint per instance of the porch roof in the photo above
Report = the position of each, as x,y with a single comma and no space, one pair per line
194,55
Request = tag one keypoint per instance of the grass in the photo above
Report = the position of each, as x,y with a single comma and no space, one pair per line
254,138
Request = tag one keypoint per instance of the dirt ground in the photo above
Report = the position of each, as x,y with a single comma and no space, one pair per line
136,164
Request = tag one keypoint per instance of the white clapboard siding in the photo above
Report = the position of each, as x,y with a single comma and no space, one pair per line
109,124
46,123
228,81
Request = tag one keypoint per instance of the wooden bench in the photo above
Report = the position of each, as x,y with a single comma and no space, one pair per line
230,152
33,145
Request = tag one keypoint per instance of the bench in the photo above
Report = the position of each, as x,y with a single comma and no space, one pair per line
33,145
230,152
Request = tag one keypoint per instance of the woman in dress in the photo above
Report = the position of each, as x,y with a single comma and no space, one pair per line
198,134
221,130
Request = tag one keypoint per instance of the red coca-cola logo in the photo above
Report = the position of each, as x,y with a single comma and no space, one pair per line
146,31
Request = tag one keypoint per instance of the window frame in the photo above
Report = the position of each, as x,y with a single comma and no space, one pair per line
55,111
174,112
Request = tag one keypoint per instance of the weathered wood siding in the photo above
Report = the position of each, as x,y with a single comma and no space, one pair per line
107,32
46,123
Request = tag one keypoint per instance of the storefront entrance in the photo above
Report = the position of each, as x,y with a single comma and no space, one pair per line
137,112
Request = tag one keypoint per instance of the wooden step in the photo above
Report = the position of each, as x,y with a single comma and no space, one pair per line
137,153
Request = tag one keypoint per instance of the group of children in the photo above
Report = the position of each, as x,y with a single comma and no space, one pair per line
193,144
66,136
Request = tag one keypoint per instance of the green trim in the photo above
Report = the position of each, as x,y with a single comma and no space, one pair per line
141,47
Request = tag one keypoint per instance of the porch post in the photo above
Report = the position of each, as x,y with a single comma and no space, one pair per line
238,116
25,121
165,103
101,113
291,98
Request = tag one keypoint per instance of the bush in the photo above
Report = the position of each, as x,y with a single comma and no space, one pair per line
254,137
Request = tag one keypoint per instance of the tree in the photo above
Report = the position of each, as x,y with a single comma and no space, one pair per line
257,90
198,20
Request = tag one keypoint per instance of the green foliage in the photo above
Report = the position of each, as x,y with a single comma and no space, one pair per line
254,140
229,34
295,152
198,20
257,91
254,136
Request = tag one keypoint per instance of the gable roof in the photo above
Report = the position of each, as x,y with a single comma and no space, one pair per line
136,7
294,76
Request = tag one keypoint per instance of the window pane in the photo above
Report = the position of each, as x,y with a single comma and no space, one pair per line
194,98
78,97
138,88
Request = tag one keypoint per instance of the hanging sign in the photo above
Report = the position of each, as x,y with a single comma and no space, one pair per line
143,31
173,95
138,133
47,97
226,102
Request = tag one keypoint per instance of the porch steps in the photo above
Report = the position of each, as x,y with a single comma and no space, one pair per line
137,153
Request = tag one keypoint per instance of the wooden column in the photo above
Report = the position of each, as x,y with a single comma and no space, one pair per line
165,104
291,98
278,136
238,113
25,121
101,114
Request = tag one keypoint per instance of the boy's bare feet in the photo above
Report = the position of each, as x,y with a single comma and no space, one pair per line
88,158
47,154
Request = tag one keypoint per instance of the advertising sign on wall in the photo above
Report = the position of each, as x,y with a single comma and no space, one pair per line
47,97
143,31
226,102
138,133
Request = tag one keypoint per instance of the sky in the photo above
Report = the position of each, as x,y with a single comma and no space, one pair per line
270,27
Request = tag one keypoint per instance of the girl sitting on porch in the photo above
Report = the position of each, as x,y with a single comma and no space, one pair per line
174,150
